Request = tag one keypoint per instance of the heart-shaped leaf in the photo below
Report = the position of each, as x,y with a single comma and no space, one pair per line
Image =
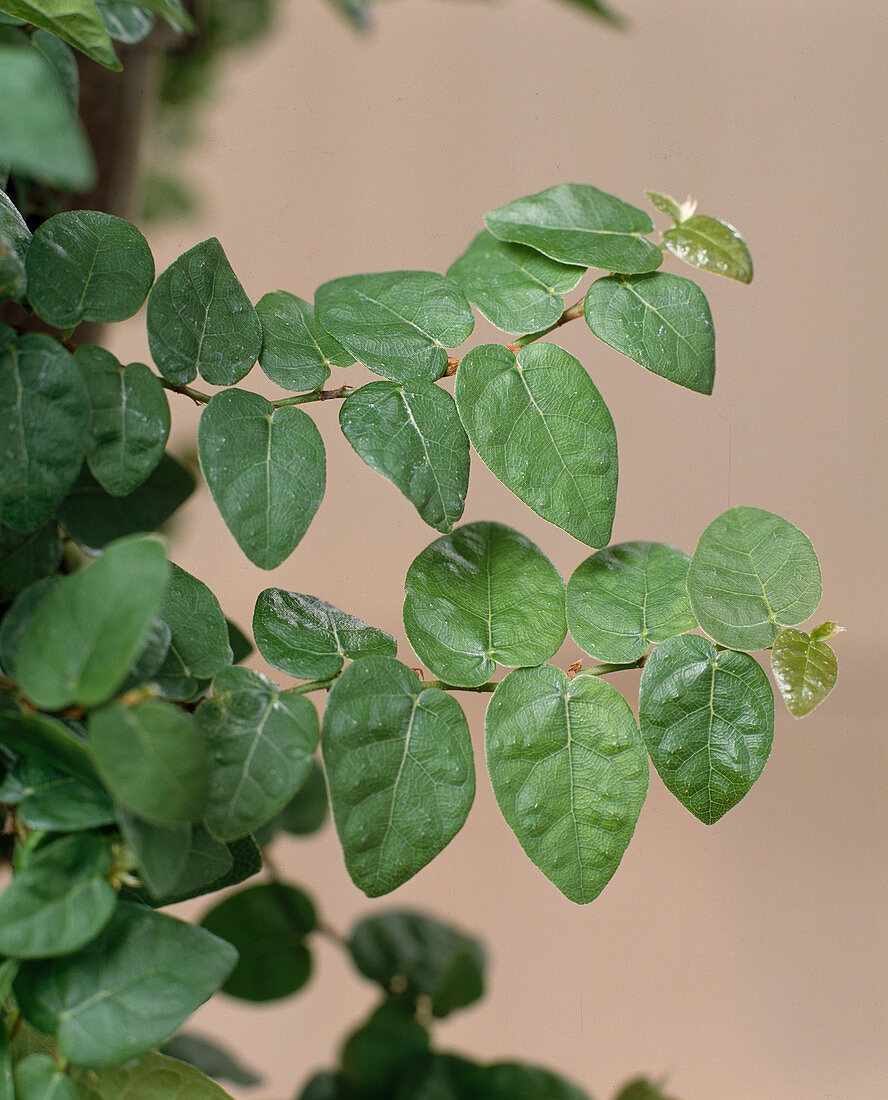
805,669
712,245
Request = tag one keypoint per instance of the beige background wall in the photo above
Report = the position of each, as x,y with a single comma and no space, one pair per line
748,960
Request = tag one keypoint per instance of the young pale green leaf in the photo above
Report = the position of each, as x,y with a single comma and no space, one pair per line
297,353
712,245
74,21
569,772
304,814
537,420
25,559
666,204
268,925
398,323
126,21
516,288
199,647
752,573
661,321
430,958
41,136
85,635
400,771
38,1077
623,598
84,265
266,470
210,1058
200,321
95,518
161,851
707,718
308,638
151,1077
60,900
14,240
128,990
48,740
62,61
153,758
209,866
130,420
578,224
376,1054
261,741
410,432
44,428
805,669
467,600
53,802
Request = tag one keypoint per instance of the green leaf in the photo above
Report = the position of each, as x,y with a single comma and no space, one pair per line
297,353
310,639
44,424
410,433
398,323
57,803
38,1077
200,321
400,771
84,636
805,669
266,470
87,266
537,420
428,957
48,740
516,288
19,615
60,900
14,240
752,573
518,1081
642,1089
76,22
128,990
623,598
95,518
467,598
7,1089
152,1077
261,741
267,924
153,759
152,655
199,647
712,245
661,321
569,772
241,646
130,420
62,61
666,204
126,21
161,851
28,558
442,1077
377,1053
578,224
707,718
210,1058
209,866
173,11
304,814
41,136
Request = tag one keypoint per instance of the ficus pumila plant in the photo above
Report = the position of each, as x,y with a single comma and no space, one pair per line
142,764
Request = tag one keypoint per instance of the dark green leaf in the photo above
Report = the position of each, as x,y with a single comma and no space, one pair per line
25,559
199,646
74,21
805,669
62,61
173,11
410,433
537,420
518,1081
305,813
400,771
578,224
125,21
241,646
200,321
48,740
310,639
210,866
51,801
153,653
14,240
297,353
84,265
375,1055
442,1077
210,1058
266,470
398,323
38,1077
707,718
18,616
152,1077
467,600
712,245
161,851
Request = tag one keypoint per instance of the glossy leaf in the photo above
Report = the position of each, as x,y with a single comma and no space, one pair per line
63,62
712,245
210,1058
707,718
578,224
151,1077
310,639
376,1054
297,353
516,288
60,900
38,1077
25,559
537,420
44,425
153,758
199,647
14,240
200,321
84,636
51,801
467,600
752,573
266,470
661,321
569,772
161,851
623,598
128,990
126,21
666,204
267,924
397,323
399,768
84,265
805,669
74,21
